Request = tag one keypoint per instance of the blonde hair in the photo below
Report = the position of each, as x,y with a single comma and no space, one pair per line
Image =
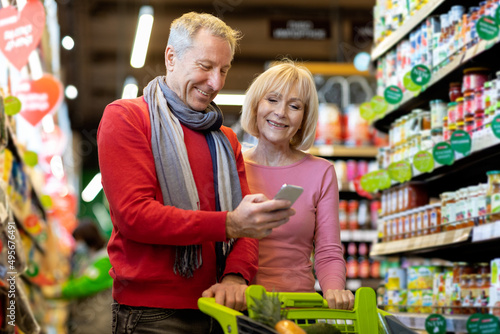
184,28
282,78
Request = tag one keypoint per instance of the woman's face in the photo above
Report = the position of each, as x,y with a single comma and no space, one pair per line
279,117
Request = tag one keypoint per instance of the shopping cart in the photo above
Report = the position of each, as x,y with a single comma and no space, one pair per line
306,309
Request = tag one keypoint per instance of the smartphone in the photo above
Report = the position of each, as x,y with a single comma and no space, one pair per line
289,192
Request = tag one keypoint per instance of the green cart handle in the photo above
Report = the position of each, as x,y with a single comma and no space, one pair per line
224,315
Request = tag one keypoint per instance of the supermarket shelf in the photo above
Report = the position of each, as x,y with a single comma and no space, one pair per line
332,151
454,323
358,236
35,193
355,283
424,242
391,40
23,230
448,73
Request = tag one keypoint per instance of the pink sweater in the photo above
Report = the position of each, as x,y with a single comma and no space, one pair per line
285,256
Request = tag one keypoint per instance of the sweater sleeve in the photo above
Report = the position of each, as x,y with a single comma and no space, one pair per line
129,180
329,260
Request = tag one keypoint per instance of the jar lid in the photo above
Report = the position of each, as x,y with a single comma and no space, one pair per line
460,99
476,70
487,84
436,131
493,172
459,84
438,100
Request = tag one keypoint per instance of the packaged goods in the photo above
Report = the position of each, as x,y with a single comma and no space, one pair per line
421,277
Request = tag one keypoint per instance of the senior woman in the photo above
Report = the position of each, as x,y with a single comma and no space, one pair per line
281,111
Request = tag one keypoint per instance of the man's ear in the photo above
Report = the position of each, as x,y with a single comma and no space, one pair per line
169,58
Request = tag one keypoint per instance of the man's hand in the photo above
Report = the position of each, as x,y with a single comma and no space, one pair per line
339,299
230,292
256,216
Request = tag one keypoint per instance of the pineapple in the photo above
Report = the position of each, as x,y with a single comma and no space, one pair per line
267,309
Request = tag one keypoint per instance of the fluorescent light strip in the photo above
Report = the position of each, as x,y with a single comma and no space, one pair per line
92,189
143,33
230,99
130,88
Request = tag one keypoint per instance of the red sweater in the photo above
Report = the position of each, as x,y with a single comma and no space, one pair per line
145,232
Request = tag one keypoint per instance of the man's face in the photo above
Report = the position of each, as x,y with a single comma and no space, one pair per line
200,74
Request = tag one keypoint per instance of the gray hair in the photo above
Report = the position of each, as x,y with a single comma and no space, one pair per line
184,28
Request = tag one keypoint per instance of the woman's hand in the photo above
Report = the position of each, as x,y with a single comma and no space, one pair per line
339,299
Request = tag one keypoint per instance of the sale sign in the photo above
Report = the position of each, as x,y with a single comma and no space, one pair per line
21,32
39,97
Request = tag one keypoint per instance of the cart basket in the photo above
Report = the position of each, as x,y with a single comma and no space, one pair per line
306,309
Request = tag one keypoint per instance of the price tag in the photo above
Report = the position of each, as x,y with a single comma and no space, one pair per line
435,324
423,161
409,84
473,323
375,180
400,171
379,105
30,158
12,105
420,75
487,28
393,94
443,153
495,124
366,111
489,324
461,142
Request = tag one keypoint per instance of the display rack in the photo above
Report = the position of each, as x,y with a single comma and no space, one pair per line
471,244
390,41
341,151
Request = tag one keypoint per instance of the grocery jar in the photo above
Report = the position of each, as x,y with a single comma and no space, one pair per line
473,78
460,106
426,213
452,112
447,210
482,202
436,135
438,110
435,218
493,195
455,91
446,131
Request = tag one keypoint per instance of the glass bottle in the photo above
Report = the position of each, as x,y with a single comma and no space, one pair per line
493,195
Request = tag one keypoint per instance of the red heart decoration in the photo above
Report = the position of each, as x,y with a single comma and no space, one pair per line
20,33
39,97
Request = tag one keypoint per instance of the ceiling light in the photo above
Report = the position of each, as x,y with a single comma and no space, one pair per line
71,92
68,43
130,88
56,167
92,189
141,41
230,99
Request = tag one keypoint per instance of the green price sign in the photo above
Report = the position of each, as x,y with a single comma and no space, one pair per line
30,158
443,153
497,15
487,28
409,84
12,105
46,201
489,324
379,105
435,324
423,161
420,75
473,323
393,94
460,141
366,111
495,125
375,180
400,171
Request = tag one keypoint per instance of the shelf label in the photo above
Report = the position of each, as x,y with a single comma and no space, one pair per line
487,28
393,94
495,124
497,15
30,158
400,171
409,84
443,153
379,105
366,111
435,323
12,105
375,180
460,141
473,323
489,324
420,75
423,161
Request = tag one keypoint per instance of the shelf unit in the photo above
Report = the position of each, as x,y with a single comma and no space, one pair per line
472,244
340,151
